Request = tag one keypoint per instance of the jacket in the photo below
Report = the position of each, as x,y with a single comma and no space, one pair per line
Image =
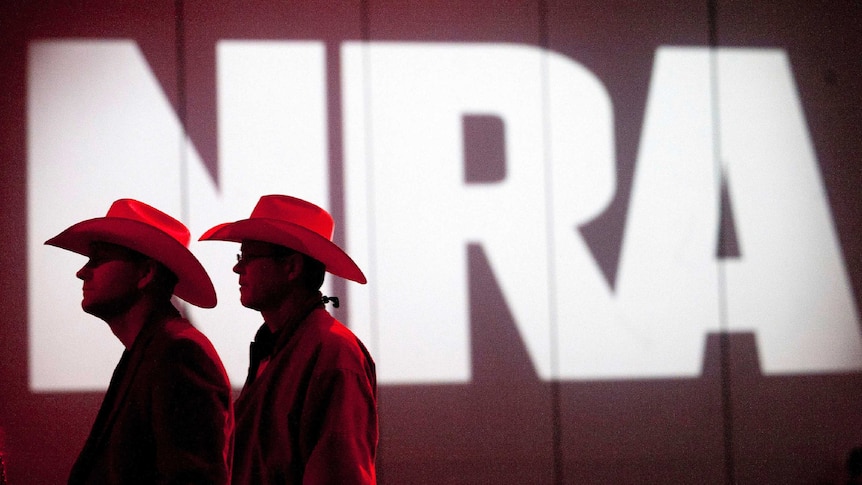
167,414
311,415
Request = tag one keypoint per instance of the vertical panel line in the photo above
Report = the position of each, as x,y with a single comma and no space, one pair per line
553,333
335,154
369,173
371,230
182,110
724,327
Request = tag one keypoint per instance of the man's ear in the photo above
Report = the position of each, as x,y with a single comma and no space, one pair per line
146,273
293,266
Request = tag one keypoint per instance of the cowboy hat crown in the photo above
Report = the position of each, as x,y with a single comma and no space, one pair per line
295,224
151,232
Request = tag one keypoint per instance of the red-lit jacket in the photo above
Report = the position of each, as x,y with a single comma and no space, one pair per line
311,415
166,417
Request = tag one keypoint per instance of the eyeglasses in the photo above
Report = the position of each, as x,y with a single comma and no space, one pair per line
248,257
241,257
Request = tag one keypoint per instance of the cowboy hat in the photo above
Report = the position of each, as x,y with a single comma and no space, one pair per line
151,232
295,224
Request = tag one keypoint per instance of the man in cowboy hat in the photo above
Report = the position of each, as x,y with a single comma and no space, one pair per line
167,416
308,410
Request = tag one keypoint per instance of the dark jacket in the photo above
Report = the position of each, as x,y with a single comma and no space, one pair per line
166,417
311,415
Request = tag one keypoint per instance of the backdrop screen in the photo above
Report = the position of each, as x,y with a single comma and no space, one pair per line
605,242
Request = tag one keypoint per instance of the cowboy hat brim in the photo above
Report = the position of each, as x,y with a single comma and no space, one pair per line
193,285
293,236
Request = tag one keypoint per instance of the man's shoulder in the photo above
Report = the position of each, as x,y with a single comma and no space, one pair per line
178,333
326,328
334,340
181,345
179,327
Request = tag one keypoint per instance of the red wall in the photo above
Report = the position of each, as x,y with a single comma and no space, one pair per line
732,424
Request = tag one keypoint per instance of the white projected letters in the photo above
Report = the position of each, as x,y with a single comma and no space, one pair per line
509,219
410,214
666,301
788,286
272,140
98,128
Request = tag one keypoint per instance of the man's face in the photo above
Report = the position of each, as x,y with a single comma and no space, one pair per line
263,279
111,278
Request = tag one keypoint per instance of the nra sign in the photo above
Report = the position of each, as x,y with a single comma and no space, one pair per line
724,138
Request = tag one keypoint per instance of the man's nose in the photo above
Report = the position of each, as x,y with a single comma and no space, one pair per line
84,273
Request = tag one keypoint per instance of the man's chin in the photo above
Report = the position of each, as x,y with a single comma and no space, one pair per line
95,310
249,304
102,310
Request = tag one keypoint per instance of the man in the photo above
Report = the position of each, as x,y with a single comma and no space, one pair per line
308,410
166,417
